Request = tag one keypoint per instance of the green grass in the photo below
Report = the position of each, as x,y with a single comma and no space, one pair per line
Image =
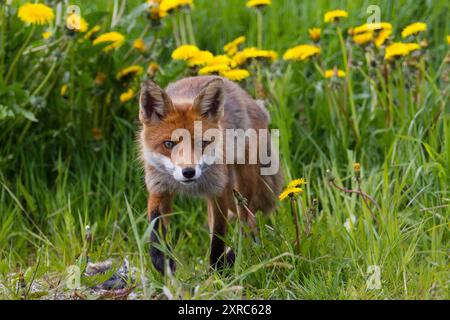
55,179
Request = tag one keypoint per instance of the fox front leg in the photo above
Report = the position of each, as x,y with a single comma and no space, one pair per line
158,208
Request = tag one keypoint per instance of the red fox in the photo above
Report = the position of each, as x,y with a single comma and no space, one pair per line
174,165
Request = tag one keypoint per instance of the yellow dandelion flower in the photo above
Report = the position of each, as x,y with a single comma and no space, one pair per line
63,90
91,32
357,167
398,49
296,182
36,13
314,34
301,52
335,15
232,47
258,3
185,52
116,39
127,95
221,59
214,69
129,71
152,69
448,39
253,53
167,6
76,23
46,34
363,38
370,27
200,58
382,37
139,45
413,29
334,73
290,192
235,74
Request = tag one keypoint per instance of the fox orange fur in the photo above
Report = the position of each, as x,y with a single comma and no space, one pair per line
218,104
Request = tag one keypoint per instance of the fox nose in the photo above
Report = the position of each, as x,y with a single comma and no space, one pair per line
188,173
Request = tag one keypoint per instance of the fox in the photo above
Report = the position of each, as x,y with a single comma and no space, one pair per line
179,166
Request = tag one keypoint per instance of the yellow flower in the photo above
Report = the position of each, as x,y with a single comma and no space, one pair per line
301,52
167,6
258,3
214,69
185,52
448,39
36,13
334,73
400,49
76,23
296,182
235,74
254,53
363,38
232,47
357,167
46,34
382,37
116,39
290,192
370,27
314,34
200,58
335,15
63,90
414,29
91,32
127,96
139,45
152,69
221,59
129,71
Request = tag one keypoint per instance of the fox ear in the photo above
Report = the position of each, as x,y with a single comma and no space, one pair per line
154,102
210,101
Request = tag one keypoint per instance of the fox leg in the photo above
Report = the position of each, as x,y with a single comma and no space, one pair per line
217,218
158,208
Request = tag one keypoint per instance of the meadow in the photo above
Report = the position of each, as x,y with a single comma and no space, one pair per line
360,111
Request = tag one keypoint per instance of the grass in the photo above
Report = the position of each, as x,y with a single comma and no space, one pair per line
55,179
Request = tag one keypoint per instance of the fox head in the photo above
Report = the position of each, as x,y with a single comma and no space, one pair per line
170,140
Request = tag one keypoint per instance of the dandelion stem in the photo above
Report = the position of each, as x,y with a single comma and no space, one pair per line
182,27
176,33
19,54
296,222
190,29
259,18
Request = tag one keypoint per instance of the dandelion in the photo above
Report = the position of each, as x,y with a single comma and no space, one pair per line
253,53
235,74
127,95
214,69
36,13
357,167
100,78
301,52
167,6
290,192
398,49
335,15
448,39
314,34
200,58
370,27
63,90
76,23
115,38
382,37
220,59
92,32
413,29
185,52
139,45
258,3
296,182
334,73
152,69
363,38
232,47
46,35
129,71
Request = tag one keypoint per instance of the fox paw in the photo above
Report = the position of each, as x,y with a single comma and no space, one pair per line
160,261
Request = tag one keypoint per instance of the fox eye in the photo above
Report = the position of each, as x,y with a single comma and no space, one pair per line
169,144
